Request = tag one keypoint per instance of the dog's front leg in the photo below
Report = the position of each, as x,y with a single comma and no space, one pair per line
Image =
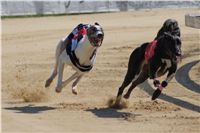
153,68
75,75
170,75
74,85
60,47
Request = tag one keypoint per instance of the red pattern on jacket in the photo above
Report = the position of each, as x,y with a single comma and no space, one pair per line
150,50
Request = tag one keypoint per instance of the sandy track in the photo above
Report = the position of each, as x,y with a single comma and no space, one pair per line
28,47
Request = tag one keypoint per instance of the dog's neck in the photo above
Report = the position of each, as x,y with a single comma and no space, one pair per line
163,50
84,51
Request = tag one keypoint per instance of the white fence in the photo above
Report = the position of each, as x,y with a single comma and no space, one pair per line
14,8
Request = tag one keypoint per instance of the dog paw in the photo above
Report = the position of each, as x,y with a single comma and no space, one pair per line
126,96
156,94
156,83
48,82
58,89
74,91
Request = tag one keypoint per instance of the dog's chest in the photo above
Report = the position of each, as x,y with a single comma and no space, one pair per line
84,51
165,64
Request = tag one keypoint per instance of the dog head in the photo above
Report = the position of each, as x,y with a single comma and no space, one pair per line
173,42
171,26
95,34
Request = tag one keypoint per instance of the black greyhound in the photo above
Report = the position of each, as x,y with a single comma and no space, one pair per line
140,68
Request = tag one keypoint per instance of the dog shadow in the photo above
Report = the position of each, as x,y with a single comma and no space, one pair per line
109,113
179,102
182,76
30,109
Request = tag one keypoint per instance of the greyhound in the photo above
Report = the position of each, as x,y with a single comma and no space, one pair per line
77,50
145,63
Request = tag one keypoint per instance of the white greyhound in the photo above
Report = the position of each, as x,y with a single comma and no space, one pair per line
79,51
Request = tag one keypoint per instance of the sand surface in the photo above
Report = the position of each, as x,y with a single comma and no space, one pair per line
28,47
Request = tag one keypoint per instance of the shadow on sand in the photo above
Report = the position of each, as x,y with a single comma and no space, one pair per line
184,104
30,109
182,76
110,113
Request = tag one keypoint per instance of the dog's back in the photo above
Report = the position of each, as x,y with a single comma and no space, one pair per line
136,59
139,52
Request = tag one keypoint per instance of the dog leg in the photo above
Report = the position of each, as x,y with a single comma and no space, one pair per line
75,75
127,80
54,73
60,76
142,77
74,85
135,65
50,79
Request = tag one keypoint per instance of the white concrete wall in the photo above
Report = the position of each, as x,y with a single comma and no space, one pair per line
193,20
13,8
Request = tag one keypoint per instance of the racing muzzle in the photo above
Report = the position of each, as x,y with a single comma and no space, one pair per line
97,39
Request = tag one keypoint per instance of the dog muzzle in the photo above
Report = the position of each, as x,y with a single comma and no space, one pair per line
179,57
96,39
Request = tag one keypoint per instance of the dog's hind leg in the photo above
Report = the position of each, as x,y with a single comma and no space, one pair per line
74,85
50,79
60,76
134,66
142,77
54,73
130,73
127,80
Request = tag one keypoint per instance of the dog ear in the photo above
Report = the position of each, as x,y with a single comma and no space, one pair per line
167,23
96,23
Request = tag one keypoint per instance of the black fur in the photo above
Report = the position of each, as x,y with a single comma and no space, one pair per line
156,94
168,47
164,84
171,26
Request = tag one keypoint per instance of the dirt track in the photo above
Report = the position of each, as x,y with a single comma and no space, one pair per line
28,47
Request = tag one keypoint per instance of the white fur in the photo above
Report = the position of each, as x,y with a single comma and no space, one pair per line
168,62
83,51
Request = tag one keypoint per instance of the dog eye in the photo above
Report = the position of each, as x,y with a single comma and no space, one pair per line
92,28
95,29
